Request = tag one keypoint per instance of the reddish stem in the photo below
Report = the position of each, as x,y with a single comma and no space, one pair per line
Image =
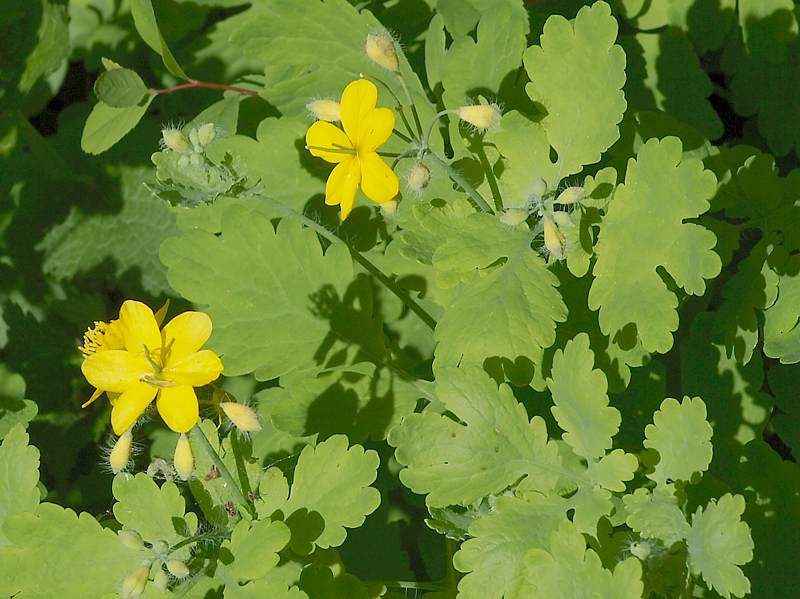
206,84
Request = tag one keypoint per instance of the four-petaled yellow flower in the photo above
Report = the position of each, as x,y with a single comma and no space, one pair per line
353,150
134,362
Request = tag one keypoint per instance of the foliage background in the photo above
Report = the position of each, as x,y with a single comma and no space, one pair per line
80,232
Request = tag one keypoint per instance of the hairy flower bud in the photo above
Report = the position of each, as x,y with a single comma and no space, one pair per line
514,216
121,452
242,416
183,459
325,110
571,195
161,580
538,187
480,116
134,583
177,568
389,208
175,140
380,49
206,134
131,539
160,547
418,177
553,239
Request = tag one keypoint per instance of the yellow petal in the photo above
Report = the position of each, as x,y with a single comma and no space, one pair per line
378,182
130,405
97,393
197,369
342,186
139,328
184,335
375,129
358,100
178,407
114,370
325,135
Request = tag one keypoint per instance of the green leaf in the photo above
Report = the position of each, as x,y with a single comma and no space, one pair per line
492,447
14,408
156,513
49,553
645,230
581,402
781,333
656,515
107,125
120,88
129,239
255,548
571,571
260,284
719,542
333,482
145,20
581,124
682,436
19,476
494,557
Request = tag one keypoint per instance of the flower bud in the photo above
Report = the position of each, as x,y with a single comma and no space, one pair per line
538,187
131,539
242,416
206,134
480,116
571,195
183,459
121,452
380,49
177,568
553,239
160,547
134,583
418,177
389,208
325,110
161,580
175,140
514,216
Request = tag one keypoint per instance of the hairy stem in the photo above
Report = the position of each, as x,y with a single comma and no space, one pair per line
461,182
205,84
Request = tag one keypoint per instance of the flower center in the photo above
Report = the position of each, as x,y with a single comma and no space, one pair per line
94,338
154,359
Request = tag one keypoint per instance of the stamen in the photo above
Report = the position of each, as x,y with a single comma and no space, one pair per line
150,360
156,382
336,150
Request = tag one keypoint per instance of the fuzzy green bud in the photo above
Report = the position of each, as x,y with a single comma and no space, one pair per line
206,134
418,177
481,116
161,580
325,110
177,568
571,195
131,539
121,452
175,140
380,49
242,416
183,458
134,583
514,216
389,208
553,239
538,187
160,547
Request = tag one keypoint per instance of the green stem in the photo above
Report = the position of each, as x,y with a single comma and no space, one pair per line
402,294
410,103
200,438
402,584
461,182
201,536
425,140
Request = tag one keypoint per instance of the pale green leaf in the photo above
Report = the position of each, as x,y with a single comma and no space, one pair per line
493,446
255,547
781,333
645,230
106,125
719,542
14,408
581,402
260,284
120,88
571,571
19,476
333,481
581,121
656,515
682,436
145,20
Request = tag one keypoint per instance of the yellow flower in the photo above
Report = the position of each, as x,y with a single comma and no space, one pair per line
164,365
353,150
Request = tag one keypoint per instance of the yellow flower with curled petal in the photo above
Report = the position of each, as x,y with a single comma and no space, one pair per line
163,365
354,150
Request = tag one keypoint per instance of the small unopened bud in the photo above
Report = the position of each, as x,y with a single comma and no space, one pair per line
514,216
206,134
121,452
538,187
177,568
161,580
480,116
553,239
131,539
183,459
418,177
389,208
242,416
134,583
325,110
380,49
571,195
175,140
160,547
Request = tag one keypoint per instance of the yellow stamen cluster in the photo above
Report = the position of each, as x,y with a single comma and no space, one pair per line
93,338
